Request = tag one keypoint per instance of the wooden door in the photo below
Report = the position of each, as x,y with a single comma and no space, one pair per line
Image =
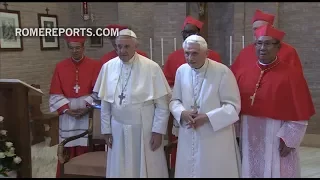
199,10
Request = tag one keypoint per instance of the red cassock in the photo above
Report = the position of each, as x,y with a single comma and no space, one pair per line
64,77
64,81
282,93
247,56
176,59
112,54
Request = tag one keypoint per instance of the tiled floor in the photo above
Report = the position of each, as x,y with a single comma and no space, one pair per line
310,162
44,161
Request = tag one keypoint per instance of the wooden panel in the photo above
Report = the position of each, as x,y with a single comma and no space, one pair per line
192,9
204,19
14,108
20,104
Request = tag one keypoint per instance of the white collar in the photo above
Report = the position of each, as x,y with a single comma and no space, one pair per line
263,64
202,68
77,60
130,61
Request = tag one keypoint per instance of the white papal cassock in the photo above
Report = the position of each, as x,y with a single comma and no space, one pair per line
144,110
210,150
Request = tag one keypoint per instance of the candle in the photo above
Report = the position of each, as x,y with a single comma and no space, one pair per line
151,48
242,42
169,161
162,63
175,43
230,50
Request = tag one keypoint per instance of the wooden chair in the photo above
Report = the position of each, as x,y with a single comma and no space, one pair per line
39,119
91,164
170,146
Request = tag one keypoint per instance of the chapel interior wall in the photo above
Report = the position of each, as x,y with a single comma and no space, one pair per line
158,20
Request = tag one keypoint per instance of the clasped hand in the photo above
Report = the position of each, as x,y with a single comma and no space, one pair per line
194,119
284,149
77,113
155,141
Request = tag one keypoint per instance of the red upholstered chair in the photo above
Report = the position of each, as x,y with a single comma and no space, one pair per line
91,164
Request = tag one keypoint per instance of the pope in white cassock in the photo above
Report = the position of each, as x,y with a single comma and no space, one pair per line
205,102
134,97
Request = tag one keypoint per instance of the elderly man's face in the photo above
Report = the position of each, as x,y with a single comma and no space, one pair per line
189,30
76,50
267,49
126,47
195,56
256,25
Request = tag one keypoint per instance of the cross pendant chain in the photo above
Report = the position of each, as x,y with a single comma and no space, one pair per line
195,107
121,97
259,80
77,87
257,87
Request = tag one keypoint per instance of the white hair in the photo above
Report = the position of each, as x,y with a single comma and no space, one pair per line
196,39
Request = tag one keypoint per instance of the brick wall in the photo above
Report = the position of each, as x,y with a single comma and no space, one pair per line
103,14
300,21
33,65
163,20
148,20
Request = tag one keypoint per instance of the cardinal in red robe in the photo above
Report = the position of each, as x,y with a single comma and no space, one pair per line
176,59
247,56
112,54
275,108
71,95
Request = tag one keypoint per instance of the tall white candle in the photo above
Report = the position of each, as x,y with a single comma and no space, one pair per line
169,161
151,48
230,50
175,43
242,42
162,62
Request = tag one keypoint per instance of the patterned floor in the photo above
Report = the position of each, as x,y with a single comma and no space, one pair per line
44,161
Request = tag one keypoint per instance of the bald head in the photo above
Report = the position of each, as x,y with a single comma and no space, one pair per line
195,50
126,44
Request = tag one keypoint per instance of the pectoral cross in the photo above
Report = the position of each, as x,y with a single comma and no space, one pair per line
76,87
195,107
252,98
121,97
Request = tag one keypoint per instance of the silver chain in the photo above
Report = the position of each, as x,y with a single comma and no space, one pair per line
194,95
